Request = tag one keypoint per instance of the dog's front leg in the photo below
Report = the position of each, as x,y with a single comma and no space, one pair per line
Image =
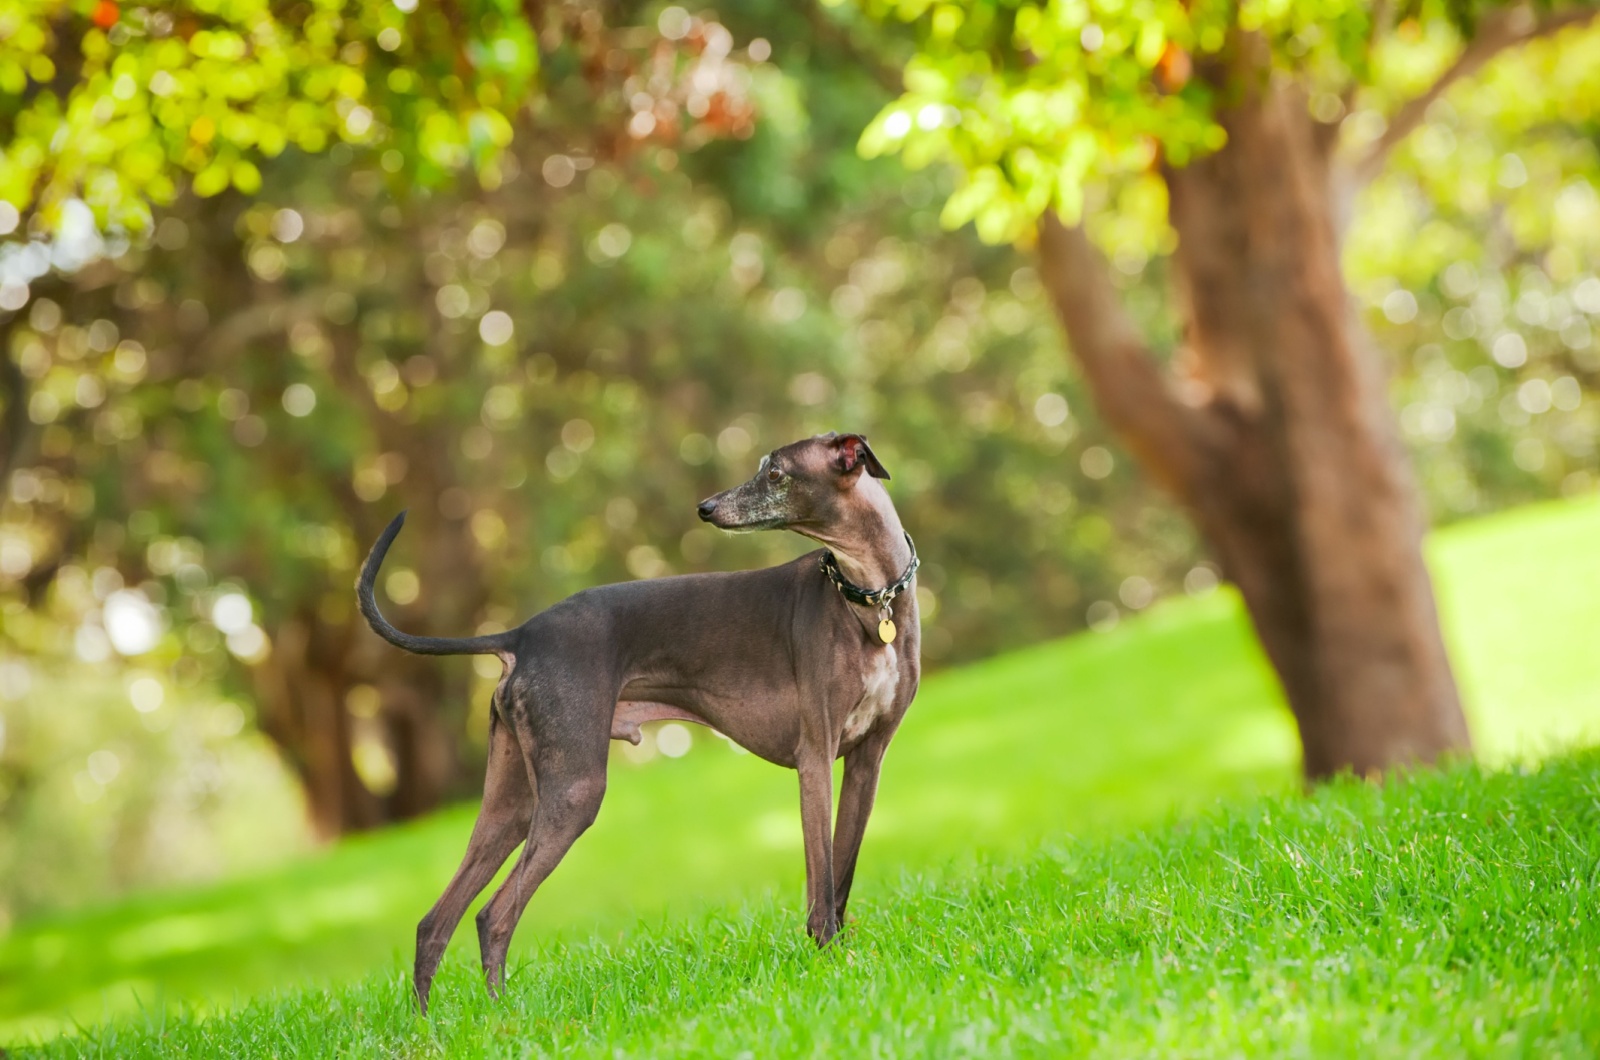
861,765
816,811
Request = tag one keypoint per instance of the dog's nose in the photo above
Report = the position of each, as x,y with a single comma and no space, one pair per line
707,507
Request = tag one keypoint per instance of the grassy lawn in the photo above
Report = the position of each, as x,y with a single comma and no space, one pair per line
1450,915
681,907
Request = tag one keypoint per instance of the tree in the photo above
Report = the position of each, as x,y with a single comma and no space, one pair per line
115,113
546,351
1229,136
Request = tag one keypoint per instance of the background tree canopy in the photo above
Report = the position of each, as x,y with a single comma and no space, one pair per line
1234,140
546,275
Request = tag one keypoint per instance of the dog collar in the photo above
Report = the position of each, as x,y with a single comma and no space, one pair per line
878,598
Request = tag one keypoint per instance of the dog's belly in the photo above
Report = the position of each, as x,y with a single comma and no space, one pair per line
632,713
764,722
879,684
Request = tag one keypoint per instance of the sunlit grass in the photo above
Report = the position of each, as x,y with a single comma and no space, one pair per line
1448,915
1088,736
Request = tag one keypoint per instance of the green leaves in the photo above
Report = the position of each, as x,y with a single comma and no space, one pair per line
1070,94
121,115
1034,103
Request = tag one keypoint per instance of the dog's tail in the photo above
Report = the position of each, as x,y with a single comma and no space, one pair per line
493,644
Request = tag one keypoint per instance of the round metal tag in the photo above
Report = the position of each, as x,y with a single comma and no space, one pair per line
886,630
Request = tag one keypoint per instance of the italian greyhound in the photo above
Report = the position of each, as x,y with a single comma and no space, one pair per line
799,664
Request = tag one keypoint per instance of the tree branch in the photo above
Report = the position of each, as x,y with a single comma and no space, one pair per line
14,415
1506,28
232,335
887,74
1130,387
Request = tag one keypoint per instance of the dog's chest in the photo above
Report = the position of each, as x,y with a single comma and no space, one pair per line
879,682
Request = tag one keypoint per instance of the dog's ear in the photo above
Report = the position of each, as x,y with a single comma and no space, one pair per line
851,453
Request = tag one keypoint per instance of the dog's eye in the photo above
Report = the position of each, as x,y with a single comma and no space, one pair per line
773,474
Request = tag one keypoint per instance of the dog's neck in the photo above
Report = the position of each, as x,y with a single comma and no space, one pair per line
870,544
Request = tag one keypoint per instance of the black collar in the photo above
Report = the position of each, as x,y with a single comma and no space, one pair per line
880,598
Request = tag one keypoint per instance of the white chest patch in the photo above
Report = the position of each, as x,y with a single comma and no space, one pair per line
879,682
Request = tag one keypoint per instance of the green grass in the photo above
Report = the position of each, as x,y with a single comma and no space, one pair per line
1448,915
1089,736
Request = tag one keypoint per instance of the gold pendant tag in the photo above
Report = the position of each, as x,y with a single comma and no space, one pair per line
886,630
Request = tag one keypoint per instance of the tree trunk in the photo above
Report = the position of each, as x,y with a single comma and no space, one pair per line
1282,444
320,655
311,706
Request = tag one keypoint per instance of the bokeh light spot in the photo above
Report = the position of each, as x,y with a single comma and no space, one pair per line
232,612
132,622
1096,462
299,399
496,327
674,740
1050,410
1102,616
146,694
403,586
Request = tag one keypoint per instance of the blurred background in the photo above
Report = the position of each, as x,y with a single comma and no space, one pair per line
548,336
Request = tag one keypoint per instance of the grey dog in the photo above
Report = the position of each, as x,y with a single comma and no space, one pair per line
797,663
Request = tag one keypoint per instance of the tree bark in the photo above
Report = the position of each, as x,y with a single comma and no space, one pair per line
1283,445
304,695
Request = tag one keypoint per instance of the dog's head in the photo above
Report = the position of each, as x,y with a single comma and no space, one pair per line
807,484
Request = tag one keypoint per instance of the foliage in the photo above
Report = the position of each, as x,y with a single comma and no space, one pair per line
117,109
1181,710
112,111
102,795
1441,915
1038,105
1477,256
1058,105
1032,103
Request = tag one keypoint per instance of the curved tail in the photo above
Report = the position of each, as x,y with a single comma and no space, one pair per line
493,644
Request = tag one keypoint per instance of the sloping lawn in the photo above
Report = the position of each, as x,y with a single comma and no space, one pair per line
1091,735
1450,915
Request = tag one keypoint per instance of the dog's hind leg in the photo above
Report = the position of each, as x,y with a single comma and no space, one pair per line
502,824
569,774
